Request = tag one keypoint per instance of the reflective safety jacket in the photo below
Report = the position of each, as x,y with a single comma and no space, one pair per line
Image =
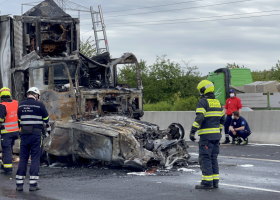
10,123
32,113
210,118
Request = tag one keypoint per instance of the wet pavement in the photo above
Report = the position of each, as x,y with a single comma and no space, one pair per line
250,172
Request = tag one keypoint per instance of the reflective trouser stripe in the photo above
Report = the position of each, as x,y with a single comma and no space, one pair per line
207,178
34,177
215,176
20,177
221,126
227,135
208,130
32,181
19,181
31,122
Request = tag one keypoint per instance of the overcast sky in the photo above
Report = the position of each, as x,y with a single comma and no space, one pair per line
252,42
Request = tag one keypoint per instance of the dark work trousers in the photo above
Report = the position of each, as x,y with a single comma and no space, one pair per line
30,145
227,125
243,134
208,159
7,143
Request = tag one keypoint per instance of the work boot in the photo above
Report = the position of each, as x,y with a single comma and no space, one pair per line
19,188
34,188
216,183
246,141
226,141
205,185
239,140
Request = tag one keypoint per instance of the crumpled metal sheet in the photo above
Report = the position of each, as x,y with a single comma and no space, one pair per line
117,139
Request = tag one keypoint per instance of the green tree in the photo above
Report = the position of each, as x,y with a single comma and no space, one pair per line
162,80
88,48
234,66
267,75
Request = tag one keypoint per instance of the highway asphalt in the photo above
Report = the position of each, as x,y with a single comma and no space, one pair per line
246,172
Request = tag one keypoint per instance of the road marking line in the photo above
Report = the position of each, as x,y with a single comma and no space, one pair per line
232,157
253,188
229,157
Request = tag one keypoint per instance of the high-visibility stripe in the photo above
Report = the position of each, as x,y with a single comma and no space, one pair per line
31,122
227,135
196,125
200,110
20,177
8,165
207,178
32,181
11,123
214,114
34,177
31,117
2,120
19,181
215,176
221,126
46,118
11,128
208,131
19,120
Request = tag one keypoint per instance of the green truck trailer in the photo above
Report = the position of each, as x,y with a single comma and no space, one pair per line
224,79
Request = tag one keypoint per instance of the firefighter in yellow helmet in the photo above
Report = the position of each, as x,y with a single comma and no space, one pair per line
208,124
9,128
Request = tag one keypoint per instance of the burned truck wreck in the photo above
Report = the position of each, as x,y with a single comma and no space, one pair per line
92,116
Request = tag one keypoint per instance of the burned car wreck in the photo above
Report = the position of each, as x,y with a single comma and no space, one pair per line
92,116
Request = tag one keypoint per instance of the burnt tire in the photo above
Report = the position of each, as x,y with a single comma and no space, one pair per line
181,129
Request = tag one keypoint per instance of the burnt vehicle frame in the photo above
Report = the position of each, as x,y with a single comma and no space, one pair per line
93,117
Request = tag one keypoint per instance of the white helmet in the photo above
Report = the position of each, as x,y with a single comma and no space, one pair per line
35,90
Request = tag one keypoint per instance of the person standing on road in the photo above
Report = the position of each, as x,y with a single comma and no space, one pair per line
9,128
31,115
232,104
209,121
239,128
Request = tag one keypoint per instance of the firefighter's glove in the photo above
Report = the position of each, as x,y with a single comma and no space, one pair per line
49,129
192,138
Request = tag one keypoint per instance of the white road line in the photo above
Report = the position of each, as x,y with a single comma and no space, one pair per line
252,188
229,157
232,157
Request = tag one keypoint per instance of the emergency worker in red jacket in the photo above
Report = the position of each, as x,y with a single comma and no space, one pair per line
9,128
232,104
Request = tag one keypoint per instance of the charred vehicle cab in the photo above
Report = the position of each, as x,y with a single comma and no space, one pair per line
93,117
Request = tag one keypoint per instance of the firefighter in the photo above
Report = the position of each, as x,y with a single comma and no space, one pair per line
9,128
208,124
31,115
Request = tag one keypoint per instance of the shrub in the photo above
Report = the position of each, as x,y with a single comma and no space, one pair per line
180,104
185,104
160,106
